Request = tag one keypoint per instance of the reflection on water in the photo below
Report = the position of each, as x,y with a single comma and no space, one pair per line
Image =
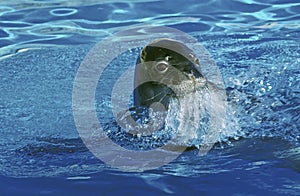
77,22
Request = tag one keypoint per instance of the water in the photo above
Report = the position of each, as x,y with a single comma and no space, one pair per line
255,45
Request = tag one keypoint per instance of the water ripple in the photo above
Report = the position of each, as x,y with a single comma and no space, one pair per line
63,12
44,22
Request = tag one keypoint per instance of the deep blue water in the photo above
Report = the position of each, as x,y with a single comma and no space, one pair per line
254,43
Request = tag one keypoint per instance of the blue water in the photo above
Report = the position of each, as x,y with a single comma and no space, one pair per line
255,44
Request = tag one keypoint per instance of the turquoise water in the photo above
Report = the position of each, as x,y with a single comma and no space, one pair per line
255,45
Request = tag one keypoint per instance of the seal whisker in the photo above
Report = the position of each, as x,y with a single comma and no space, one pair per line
152,98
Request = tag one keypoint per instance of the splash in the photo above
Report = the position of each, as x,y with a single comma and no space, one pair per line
201,118
198,119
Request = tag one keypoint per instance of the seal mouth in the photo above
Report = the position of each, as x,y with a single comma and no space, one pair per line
189,86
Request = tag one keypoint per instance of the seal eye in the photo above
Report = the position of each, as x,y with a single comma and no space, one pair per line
162,67
143,55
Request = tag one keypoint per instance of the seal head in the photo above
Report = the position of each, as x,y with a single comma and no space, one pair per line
170,70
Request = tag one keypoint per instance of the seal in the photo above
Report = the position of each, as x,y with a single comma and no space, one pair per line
168,78
171,70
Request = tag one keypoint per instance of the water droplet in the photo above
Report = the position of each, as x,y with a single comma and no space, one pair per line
261,82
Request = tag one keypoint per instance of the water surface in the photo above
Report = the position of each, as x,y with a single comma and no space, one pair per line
254,43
